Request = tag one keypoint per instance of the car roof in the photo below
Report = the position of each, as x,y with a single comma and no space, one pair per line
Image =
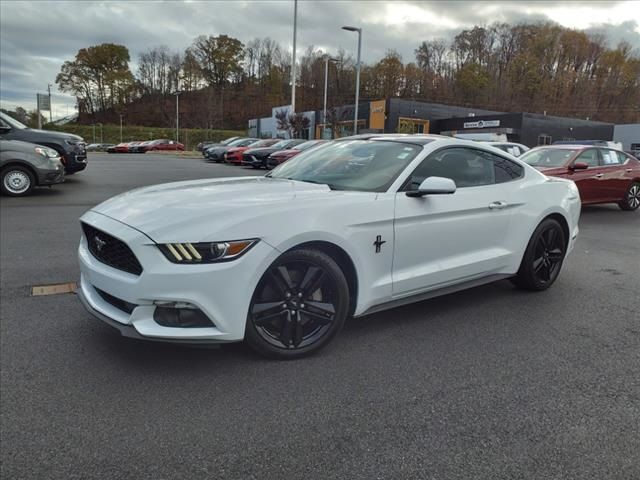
417,139
567,146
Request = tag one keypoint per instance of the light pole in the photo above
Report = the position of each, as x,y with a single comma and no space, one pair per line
101,141
94,132
327,59
50,107
177,94
293,61
121,115
359,30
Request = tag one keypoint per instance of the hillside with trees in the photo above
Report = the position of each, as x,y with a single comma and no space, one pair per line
224,82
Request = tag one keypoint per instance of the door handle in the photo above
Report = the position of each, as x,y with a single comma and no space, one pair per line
629,170
598,175
498,205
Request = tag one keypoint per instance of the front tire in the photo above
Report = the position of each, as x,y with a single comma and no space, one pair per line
543,257
17,181
631,200
299,305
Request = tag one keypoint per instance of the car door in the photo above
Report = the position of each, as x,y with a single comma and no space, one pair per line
613,181
446,239
587,180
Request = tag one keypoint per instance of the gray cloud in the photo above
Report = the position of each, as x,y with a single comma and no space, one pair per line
37,37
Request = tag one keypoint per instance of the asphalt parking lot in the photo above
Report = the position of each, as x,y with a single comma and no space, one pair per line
489,383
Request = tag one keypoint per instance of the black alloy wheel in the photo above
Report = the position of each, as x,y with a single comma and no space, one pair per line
299,305
631,199
543,258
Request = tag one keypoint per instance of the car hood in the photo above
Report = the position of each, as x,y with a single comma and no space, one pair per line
194,210
260,151
285,153
50,134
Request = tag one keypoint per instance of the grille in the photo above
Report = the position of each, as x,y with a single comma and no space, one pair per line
116,302
111,251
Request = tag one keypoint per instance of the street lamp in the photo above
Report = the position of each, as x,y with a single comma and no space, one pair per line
177,94
359,30
327,59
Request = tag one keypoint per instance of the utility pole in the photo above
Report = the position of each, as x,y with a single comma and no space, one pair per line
177,94
121,127
50,107
101,141
94,132
327,59
293,61
359,31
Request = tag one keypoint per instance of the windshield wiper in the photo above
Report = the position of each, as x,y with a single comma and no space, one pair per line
332,187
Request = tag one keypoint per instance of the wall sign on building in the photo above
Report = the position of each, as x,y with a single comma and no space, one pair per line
482,124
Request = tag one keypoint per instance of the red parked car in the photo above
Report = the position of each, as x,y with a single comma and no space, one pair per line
164,145
281,156
234,155
122,147
603,175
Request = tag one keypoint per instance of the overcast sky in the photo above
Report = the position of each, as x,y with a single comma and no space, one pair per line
36,37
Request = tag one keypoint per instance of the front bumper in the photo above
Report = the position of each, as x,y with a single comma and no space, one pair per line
75,160
222,291
50,177
252,161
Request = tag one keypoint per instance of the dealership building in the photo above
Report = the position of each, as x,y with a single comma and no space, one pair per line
397,115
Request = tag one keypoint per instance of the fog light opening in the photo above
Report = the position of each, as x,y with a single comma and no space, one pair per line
180,315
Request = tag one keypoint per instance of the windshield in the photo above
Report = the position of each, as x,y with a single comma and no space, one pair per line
228,141
548,157
12,122
364,165
263,143
243,142
281,144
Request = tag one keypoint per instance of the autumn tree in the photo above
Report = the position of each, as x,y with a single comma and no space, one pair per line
220,58
99,77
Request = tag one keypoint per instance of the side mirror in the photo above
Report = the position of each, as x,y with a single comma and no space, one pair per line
579,166
434,186
4,128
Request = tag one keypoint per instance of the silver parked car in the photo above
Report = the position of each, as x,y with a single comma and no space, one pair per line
24,166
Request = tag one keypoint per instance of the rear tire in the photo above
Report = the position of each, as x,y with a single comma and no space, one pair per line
543,257
631,200
298,307
17,181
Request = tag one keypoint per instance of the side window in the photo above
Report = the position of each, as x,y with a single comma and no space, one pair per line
622,157
609,157
466,166
505,170
590,157
544,139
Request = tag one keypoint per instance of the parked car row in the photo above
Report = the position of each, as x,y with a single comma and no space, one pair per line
158,145
31,157
257,153
99,147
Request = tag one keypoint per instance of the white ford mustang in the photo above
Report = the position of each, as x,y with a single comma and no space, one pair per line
353,227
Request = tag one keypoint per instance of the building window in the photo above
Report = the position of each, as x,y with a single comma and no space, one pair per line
544,139
412,125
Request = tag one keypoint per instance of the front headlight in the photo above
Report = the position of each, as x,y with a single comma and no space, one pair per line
74,142
47,152
206,252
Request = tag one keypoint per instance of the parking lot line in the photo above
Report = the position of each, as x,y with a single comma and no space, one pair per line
54,289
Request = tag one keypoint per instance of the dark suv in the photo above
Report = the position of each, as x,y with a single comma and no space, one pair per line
71,148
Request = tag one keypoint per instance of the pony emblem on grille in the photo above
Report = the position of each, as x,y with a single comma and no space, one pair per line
100,243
